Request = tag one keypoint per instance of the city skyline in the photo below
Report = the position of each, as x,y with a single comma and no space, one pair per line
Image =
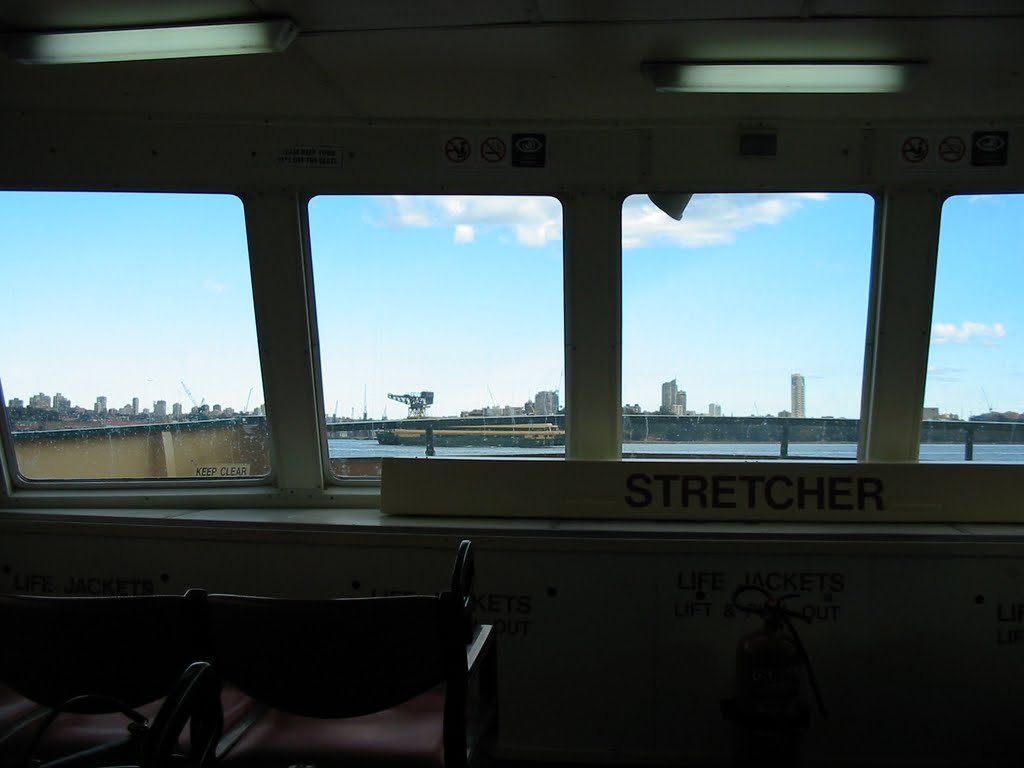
464,297
544,402
673,401
61,405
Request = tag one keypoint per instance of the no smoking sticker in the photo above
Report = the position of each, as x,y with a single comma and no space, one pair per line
492,149
952,149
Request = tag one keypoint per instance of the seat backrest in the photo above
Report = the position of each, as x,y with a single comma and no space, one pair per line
336,658
463,573
130,649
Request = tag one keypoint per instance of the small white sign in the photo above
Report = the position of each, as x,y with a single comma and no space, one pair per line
223,470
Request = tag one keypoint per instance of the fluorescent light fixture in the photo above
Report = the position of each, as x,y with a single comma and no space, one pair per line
781,76
144,43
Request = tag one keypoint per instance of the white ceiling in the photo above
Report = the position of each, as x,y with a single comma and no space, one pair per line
351,15
528,59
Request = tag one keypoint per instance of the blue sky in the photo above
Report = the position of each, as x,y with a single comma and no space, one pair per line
459,296
742,293
976,360
129,295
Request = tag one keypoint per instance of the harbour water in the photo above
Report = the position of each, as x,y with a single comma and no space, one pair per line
348,448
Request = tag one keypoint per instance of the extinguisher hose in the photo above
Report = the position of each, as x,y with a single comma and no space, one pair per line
773,608
811,677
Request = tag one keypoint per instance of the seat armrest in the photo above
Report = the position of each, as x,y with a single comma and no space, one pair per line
481,696
479,646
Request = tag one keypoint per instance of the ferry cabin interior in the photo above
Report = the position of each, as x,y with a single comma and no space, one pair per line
609,576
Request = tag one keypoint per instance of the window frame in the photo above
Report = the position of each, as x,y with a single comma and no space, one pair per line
16,485
362,494
947,196
876,198
331,479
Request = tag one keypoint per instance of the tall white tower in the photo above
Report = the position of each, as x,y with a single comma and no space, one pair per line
796,391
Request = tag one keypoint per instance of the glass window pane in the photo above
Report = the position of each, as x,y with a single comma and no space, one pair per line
743,325
974,395
442,313
130,341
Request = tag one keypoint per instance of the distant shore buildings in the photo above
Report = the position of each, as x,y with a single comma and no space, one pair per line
673,401
60,409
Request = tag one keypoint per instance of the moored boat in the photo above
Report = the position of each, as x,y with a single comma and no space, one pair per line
497,435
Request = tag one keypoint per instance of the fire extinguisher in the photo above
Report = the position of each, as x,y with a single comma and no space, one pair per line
768,708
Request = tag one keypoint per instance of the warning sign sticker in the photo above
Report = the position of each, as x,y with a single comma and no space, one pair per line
493,149
952,149
457,149
990,148
914,149
529,150
310,156
489,151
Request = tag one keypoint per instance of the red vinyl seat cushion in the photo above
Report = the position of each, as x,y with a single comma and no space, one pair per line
408,735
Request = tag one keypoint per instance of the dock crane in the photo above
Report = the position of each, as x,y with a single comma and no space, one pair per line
192,397
417,402
988,403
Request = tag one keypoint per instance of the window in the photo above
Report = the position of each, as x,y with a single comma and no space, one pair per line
129,348
441,326
743,325
974,394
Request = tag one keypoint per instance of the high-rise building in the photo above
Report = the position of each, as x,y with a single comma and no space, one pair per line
135,406
669,390
175,410
101,404
41,400
714,409
796,391
680,405
160,408
15,402
545,402
61,403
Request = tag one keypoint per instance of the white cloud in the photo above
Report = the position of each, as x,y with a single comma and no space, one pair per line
950,333
406,213
537,221
534,221
708,220
213,286
539,234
